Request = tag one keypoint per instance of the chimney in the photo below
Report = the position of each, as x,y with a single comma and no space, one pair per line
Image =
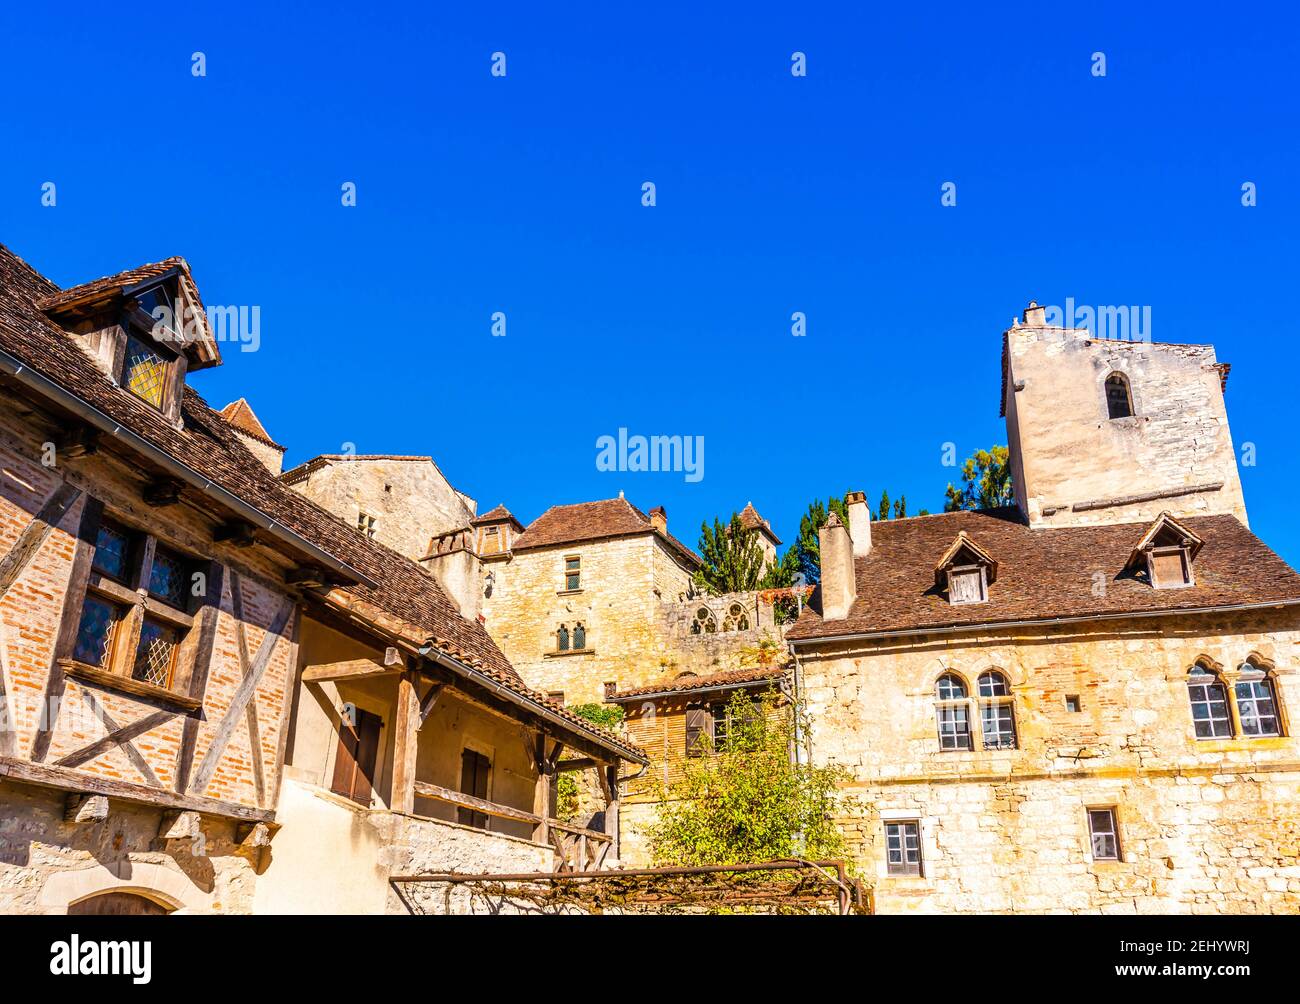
839,583
859,523
1034,315
659,519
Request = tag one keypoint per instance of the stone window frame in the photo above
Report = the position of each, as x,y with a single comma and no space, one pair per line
705,621
1202,679
996,701
367,525
951,710
1131,401
1113,832
736,618
571,572
136,603
1256,670
904,868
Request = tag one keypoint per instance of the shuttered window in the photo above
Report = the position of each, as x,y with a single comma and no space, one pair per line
354,764
699,731
475,771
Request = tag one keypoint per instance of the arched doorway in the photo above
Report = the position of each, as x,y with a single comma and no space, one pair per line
117,904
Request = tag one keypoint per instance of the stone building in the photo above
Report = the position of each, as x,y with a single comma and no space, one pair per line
215,696
1080,703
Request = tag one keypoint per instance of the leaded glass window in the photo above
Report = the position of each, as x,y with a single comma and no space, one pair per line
1256,703
144,372
1210,715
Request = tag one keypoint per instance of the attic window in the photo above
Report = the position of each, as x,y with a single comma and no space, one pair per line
966,585
965,572
161,310
144,372
1167,552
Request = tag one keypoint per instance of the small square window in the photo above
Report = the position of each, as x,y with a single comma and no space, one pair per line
1104,833
903,847
1073,703
366,524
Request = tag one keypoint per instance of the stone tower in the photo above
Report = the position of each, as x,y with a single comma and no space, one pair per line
1109,431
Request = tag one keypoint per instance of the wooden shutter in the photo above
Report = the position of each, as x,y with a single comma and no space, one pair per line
1167,567
965,585
699,723
474,768
354,764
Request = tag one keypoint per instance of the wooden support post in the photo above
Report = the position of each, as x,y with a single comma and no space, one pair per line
542,792
406,733
430,699
611,804
178,825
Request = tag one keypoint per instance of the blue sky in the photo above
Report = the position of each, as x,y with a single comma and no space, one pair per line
775,194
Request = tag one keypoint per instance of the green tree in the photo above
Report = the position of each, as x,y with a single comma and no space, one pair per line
568,804
986,482
733,562
751,800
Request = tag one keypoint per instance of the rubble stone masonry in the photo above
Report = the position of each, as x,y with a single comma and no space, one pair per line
1205,826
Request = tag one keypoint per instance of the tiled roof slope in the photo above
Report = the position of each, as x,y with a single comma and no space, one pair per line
209,446
689,682
1043,573
586,521
751,520
240,414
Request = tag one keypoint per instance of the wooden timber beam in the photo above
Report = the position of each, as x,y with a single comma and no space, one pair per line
426,790
430,699
351,669
162,492
237,533
65,779
406,734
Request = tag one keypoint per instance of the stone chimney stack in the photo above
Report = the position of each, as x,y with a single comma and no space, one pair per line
839,582
659,518
859,523
1034,315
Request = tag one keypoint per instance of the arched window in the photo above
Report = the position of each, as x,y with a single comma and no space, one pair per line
1256,702
562,638
1119,399
704,622
736,619
579,636
1209,699
952,712
997,711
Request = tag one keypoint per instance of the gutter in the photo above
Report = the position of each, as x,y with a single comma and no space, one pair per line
1045,622
428,651
33,380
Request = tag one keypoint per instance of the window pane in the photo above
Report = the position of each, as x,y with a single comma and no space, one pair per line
145,372
155,654
579,637
112,551
954,728
950,688
571,582
1257,708
999,726
168,578
1117,398
903,848
562,637
1104,838
993,685
99,619
1209,707
572,564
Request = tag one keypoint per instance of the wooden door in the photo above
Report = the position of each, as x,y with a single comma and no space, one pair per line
354,764
475,769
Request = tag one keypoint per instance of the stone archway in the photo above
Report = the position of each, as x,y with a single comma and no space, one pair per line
118,904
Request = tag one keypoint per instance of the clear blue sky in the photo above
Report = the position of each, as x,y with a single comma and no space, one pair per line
775,194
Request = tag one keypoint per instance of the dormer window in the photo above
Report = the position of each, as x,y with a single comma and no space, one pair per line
1166,553
1119,398
965,572
160,306
145,372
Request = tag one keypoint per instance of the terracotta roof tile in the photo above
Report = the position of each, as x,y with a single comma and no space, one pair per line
499,514
689,682
587,521
209,446
1043,574
751,520
240,414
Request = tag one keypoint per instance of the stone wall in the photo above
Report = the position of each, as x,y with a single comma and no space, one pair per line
1065,450
409,497
1205,826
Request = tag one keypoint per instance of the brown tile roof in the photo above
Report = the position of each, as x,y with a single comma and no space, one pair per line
751,520
240,414
209,446
112,285
586,521
307,467
690,682
1043,574
499,514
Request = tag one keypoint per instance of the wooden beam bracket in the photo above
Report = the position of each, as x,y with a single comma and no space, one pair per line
236,532
162,492
82,808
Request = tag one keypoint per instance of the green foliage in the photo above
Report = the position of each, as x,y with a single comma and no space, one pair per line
986,482
750,801
733,560
567,803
